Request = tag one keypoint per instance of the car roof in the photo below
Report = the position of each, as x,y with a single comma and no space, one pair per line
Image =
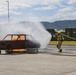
16,34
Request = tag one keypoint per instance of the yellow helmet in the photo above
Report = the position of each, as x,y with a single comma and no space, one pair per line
59,32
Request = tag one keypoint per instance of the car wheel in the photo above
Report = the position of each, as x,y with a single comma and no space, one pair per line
9,49
35,51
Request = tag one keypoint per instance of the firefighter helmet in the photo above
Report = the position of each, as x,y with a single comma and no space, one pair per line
59,32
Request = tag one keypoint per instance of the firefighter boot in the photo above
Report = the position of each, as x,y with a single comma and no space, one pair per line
60,50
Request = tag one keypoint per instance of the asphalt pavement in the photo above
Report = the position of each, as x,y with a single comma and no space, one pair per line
47,62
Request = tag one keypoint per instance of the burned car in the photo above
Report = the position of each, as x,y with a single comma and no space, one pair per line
19,41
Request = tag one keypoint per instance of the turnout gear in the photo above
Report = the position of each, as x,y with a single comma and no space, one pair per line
60,39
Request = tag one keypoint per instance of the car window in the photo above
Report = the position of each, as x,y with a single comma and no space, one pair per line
8,38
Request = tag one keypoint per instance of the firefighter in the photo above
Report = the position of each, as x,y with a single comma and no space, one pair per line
60,39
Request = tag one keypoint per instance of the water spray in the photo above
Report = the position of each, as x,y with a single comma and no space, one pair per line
36,29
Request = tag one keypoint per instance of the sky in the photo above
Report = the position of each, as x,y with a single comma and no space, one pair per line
37,10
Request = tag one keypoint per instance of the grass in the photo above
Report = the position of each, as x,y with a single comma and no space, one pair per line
64,43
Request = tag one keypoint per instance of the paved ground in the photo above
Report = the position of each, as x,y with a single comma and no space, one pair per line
47,62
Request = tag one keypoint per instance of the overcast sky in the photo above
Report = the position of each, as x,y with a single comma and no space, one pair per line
41,10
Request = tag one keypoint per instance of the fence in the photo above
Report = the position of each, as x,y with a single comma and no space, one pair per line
69,36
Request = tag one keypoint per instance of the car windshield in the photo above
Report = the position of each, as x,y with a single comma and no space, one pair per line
10,37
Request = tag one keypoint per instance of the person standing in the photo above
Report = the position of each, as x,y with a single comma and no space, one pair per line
60,39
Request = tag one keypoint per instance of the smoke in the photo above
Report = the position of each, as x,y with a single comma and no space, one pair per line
36,29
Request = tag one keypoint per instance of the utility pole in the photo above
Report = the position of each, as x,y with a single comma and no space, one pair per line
8,9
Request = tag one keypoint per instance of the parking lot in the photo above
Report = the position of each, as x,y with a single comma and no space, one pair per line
47,62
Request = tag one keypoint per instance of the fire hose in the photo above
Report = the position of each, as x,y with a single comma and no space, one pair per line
69,37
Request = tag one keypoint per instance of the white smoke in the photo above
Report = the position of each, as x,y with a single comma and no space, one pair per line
36,29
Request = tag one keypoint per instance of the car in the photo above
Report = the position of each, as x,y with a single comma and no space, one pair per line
19,41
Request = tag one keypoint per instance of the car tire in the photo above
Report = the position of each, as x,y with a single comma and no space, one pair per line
36,50
9,49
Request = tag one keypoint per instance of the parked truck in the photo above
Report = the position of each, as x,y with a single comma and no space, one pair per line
19,41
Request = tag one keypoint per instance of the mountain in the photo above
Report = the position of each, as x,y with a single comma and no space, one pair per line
55,25
60,24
